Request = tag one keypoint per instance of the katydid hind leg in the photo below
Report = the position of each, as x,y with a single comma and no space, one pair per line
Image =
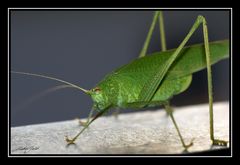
162,32
157,16
169,111
150,87
210,93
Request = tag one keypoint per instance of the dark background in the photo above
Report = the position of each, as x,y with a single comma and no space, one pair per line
83,46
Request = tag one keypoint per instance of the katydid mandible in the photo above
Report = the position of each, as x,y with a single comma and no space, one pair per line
154,79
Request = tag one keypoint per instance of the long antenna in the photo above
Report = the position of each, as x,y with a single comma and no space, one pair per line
52,78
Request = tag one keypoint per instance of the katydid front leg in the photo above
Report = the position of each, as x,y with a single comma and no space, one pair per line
84,124
152,85
72,140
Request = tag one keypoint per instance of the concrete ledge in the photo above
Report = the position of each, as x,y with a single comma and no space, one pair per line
148,132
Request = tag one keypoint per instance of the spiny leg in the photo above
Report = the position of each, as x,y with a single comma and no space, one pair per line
150,87
158,14
169,111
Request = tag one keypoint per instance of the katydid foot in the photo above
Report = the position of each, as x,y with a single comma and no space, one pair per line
69,141
188,145
219,142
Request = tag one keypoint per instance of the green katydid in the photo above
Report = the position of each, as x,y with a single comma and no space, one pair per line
154,79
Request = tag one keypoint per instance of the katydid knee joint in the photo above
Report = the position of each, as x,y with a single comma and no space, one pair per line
201,19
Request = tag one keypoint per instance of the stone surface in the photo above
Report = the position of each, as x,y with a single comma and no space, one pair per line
147,132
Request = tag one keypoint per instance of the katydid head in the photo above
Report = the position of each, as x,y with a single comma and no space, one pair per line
100,99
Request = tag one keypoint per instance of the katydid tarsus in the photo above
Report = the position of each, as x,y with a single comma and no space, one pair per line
154,79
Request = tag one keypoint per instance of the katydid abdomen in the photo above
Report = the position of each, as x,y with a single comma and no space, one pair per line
122,87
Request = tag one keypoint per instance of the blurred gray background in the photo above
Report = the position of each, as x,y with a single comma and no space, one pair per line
83,46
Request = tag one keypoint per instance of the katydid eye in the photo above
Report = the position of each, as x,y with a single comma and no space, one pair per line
97,89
